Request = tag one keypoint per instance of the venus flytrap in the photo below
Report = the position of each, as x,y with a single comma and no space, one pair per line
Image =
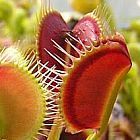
72,85
25,101
92,59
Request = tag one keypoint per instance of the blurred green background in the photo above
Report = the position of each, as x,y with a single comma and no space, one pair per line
18,22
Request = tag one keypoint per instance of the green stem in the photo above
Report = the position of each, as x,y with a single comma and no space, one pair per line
55,131
93,136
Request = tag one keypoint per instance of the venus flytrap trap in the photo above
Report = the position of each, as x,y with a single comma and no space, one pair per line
92,59
101,47
25,101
